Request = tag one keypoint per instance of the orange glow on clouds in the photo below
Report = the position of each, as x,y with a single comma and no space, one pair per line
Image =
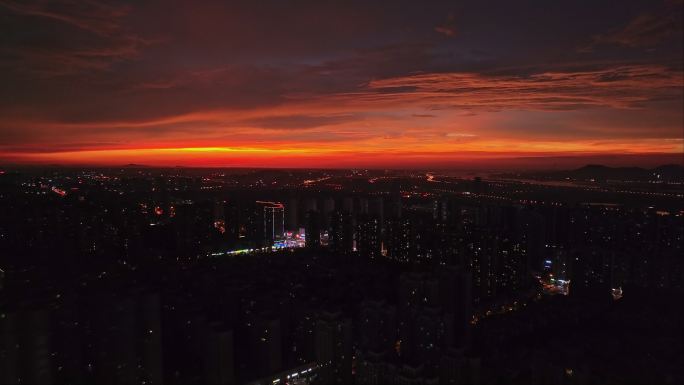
337,85
416,119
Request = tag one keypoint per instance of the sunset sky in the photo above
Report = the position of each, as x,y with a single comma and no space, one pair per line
341,84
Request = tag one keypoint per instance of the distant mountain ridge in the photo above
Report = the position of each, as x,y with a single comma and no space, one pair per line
600,172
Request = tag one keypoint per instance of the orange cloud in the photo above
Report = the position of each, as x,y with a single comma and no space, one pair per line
619,87
432,116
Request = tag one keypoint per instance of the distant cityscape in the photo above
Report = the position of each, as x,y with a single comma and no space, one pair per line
222,276
313,192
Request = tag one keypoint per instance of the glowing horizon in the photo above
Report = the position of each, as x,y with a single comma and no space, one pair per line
312,157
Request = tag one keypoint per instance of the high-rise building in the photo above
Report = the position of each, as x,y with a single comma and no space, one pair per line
274,221
368,236
370,368
261,338
231,222
377,326
399,239
334,348
313,229
341,232
591,273
293,220
25,347
193,225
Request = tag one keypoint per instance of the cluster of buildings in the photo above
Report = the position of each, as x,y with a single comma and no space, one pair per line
184,285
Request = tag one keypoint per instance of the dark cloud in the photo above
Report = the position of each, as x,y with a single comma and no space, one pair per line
92,16
660,24
448,28
645,30
297,122
46,39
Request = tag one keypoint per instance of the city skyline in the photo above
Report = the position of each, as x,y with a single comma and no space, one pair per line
313,277
319,84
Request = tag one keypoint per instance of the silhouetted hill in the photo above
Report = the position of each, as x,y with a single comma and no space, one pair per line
600,172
